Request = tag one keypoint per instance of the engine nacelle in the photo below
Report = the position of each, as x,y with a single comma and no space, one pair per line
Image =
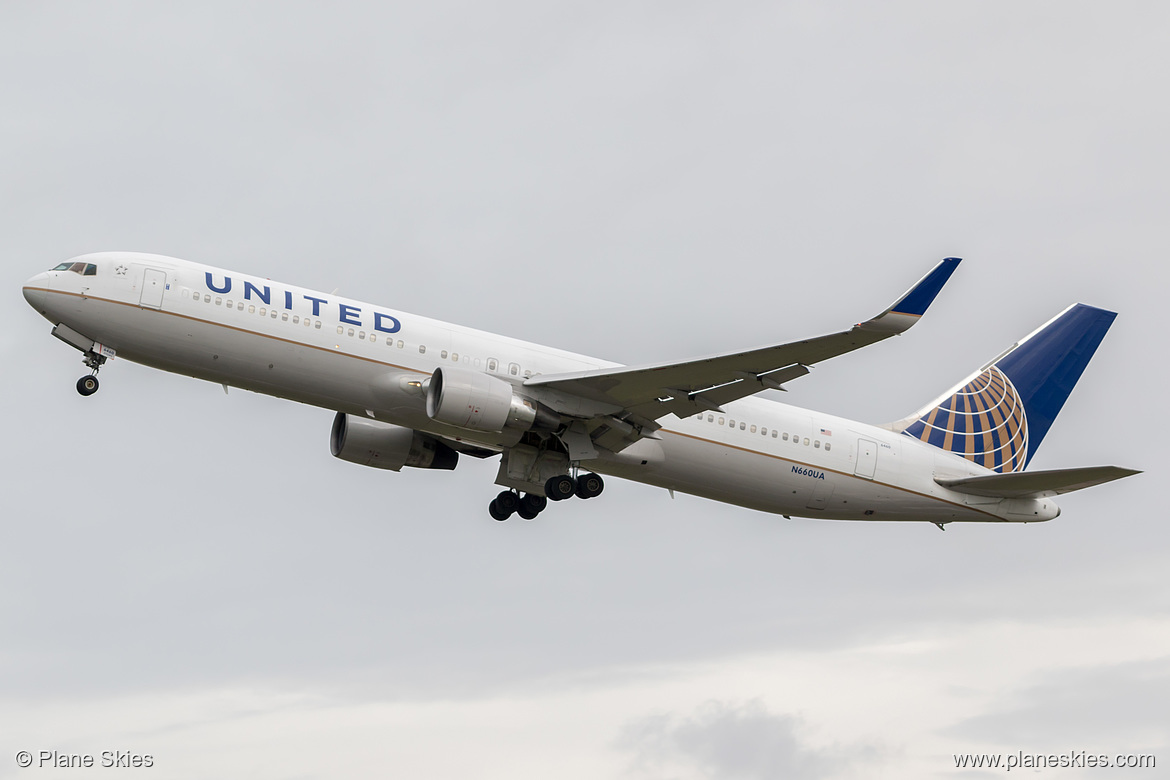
480,402
386,446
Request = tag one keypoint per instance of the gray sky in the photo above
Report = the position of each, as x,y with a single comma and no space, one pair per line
193,576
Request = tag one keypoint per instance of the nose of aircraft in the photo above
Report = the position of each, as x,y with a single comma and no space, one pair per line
35,291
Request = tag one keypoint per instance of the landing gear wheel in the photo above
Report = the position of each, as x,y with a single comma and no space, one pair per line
532,503
508,501
87,385
560,487
589,485
496,512
526,513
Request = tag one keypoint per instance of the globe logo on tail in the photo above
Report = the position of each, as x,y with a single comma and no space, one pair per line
984,421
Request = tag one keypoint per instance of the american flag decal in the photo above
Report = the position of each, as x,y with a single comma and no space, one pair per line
826,432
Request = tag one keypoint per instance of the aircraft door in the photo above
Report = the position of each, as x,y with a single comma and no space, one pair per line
866,458
154,284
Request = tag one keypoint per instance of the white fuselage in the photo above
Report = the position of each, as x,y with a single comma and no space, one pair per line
366,360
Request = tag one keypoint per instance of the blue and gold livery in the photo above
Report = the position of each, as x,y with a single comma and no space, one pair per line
984,421
998,418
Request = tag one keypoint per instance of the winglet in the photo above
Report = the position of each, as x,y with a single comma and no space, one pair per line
921,295
907,309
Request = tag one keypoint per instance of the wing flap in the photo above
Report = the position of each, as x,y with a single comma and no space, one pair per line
1036,484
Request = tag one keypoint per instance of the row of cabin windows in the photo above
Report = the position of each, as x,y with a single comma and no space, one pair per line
263,311
492,363
776,434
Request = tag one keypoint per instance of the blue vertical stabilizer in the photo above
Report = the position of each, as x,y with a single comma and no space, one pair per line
998,417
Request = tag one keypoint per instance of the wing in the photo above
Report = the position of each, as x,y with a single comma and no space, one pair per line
636,396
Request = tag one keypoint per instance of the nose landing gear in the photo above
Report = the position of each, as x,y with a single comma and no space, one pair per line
88,385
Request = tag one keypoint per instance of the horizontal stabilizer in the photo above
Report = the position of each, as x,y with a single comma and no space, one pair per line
1036,484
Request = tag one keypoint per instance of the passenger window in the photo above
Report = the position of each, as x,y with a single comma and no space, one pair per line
422,350
207,299
828,446
296,319
351,333
721,420
219,301
284,316
513,369
340,330
361,334
786,437
527,374
308,322
731,423
741,426
817,444
251,309
753,429
774,434
230,304
272,314
710,418
806,441
401,344
443,354
373,338
318,325
240,305
455,357
263,312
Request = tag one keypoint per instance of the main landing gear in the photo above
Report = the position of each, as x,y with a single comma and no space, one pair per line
528,506
557,488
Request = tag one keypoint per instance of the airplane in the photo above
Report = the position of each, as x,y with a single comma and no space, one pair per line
408,391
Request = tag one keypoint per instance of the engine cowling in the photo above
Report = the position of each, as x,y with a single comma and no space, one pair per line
385,446
480,402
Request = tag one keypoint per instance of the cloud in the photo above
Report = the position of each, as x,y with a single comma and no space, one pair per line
1114,707
735,741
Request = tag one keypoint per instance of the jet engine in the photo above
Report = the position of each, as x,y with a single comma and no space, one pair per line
480,402
386,446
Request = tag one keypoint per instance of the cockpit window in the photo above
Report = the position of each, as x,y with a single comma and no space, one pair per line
85,269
